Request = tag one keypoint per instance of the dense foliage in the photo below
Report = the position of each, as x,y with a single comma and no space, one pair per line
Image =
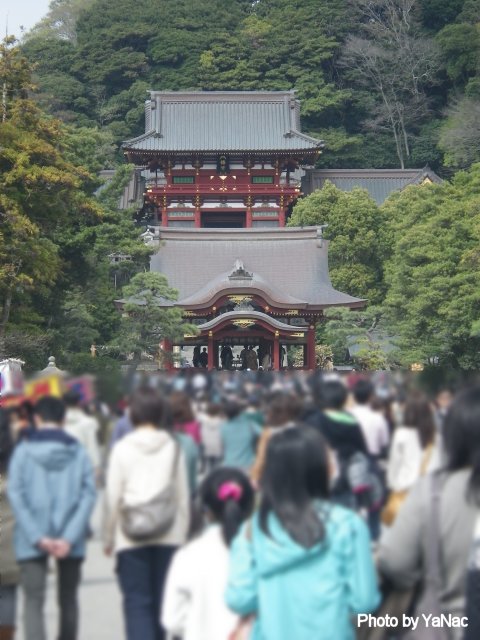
57,276
379,99
359,238
433,274
144,325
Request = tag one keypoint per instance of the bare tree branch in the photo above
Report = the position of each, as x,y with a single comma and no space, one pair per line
393,60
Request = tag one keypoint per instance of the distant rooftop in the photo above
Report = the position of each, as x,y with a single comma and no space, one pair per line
221,121
380,183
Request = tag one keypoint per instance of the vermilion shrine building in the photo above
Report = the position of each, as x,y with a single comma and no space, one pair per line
219,170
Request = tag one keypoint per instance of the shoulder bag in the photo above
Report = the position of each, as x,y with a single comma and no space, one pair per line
152,519
397,498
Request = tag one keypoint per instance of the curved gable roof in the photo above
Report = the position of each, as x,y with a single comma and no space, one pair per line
231,316
287,263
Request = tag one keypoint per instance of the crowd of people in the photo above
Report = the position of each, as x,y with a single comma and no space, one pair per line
243,506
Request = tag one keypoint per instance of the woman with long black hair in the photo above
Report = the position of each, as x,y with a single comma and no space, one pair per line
303,565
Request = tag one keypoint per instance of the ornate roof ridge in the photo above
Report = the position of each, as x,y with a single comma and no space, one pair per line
211,96
279,233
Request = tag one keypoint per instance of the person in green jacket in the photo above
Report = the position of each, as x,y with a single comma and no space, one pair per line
302,566
239,435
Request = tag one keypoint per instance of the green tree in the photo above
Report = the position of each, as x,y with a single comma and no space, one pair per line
433,273
283,45
60,90
358,238
460,50
39,190
344,329
57,240
77,327
460,134
15,74
145,324
437,13
61,19
27,261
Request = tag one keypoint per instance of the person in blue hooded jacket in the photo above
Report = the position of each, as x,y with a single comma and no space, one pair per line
51,490
302,567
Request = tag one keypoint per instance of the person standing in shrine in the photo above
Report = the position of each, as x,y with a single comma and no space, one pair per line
267,361
243,358
204,358
196,357
226,357
252,360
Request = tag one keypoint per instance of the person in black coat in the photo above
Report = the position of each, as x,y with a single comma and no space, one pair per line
342,433
337,426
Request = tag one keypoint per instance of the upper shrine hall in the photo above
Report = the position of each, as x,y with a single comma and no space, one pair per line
221,159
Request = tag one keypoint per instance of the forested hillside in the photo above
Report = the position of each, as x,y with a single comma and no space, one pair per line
385,82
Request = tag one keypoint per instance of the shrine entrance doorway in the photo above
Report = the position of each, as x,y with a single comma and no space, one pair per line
223,219
245,328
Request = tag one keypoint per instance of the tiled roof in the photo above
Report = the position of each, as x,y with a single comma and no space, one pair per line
290,265
222,121
380,183
234,315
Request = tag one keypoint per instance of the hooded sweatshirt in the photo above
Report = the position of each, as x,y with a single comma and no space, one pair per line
140,468
84,428
52,492
303,594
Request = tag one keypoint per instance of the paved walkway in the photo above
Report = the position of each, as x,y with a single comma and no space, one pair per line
100,601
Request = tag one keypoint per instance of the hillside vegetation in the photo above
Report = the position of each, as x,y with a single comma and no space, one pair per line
385,82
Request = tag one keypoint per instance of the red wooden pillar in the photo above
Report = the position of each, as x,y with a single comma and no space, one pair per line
168,350
281,212
198,213
276,352
248,203
164,213
311,359
211,355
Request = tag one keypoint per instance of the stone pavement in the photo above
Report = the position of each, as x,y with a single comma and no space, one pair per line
100,601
